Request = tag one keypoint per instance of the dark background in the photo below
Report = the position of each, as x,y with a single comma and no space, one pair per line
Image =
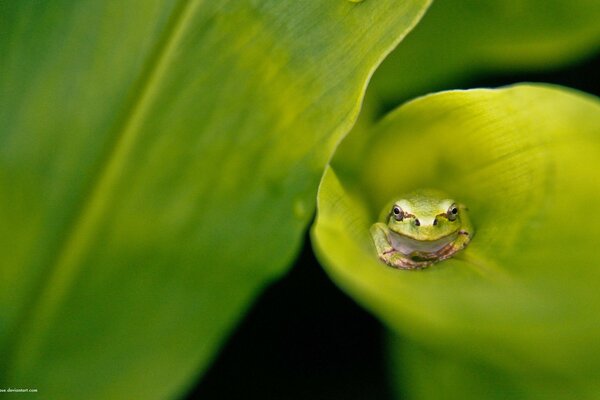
305,339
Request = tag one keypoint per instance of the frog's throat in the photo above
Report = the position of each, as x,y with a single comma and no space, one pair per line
407,245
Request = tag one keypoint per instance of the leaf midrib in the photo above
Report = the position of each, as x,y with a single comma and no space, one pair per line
62,269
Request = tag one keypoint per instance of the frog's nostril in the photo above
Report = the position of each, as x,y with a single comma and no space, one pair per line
417,222
435,221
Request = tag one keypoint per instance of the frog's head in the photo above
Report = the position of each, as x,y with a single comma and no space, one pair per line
424,216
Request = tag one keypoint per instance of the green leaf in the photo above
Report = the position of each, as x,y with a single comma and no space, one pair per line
158,165
458,39
524,294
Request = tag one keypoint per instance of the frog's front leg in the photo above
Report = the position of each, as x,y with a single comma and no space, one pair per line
387,253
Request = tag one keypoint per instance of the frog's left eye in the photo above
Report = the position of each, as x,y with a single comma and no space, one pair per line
397,213
452,212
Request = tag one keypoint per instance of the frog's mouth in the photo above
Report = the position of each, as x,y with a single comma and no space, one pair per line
407,245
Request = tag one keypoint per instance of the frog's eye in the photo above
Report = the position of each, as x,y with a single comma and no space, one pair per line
397,213
452,212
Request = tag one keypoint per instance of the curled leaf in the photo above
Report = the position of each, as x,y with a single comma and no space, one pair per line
524,160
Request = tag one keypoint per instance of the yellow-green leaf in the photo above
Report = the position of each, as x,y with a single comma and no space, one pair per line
525,160
419,373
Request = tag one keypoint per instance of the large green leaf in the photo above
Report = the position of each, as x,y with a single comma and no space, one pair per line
158,164
524,295
460,38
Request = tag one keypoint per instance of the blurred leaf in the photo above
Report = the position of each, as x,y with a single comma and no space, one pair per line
524,295
458,38
421,374
158,164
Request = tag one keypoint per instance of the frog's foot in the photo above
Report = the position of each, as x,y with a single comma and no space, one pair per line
396,259
452,248
447,251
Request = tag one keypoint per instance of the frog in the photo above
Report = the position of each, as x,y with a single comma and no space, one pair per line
421,228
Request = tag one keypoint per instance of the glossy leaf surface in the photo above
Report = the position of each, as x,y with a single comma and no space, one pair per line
158,164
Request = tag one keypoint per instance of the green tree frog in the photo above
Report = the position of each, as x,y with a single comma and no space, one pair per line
420,229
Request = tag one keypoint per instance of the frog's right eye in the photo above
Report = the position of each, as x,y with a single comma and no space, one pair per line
397,213
452,212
